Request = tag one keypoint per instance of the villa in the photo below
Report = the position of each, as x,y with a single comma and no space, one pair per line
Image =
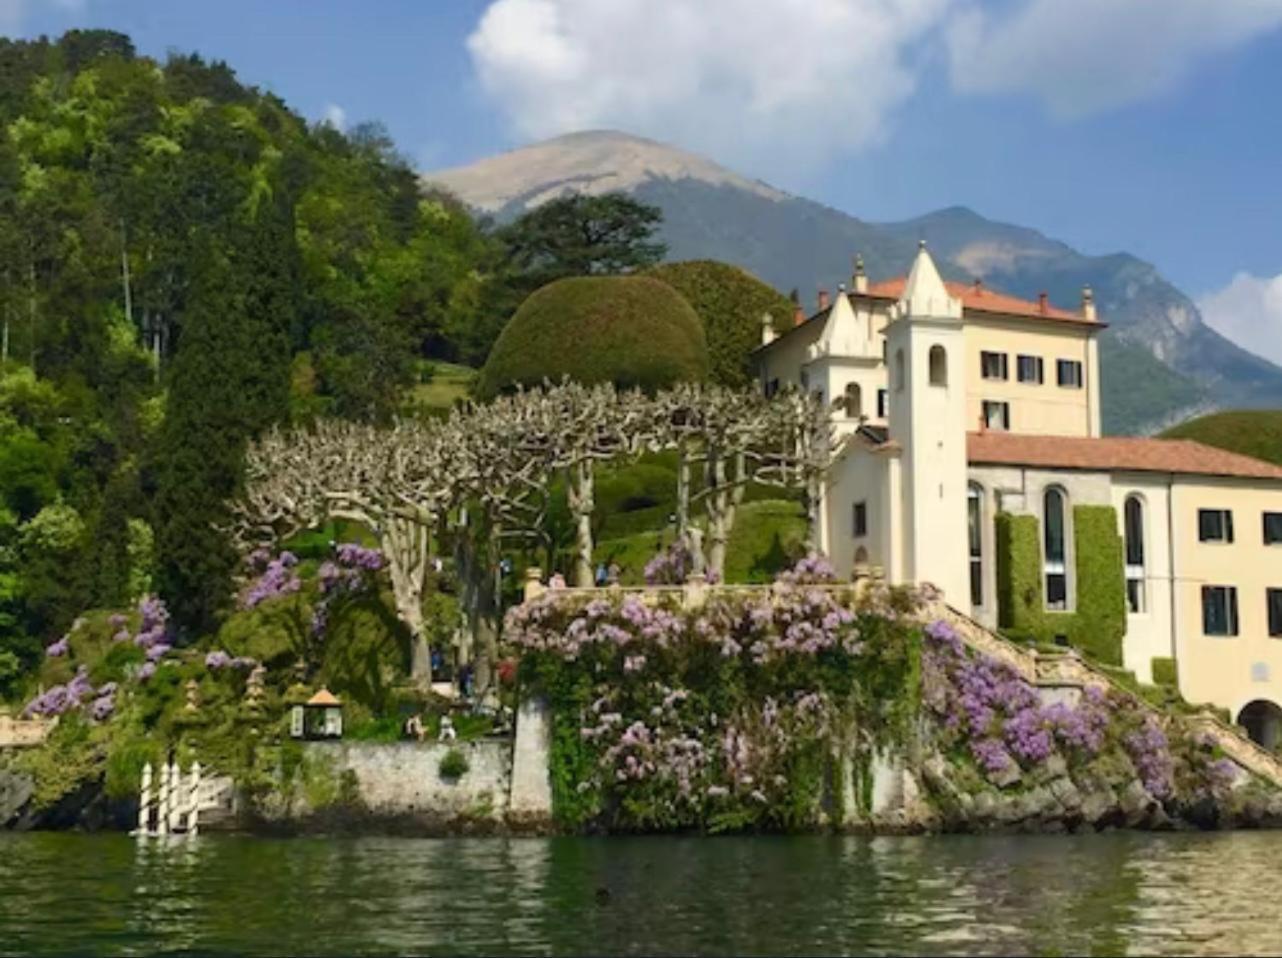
971,458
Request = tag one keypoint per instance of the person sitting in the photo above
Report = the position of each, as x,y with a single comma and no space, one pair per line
447,733
601,574
414,727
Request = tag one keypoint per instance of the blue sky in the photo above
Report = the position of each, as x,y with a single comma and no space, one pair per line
1150,126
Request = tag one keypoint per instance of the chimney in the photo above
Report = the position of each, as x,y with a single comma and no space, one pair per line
1088,303
979,287
767,329
823,300
859,280
798,315
1041,303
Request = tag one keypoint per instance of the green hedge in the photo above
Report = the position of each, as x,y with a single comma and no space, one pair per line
1165,672
634,331
1098,623
730,302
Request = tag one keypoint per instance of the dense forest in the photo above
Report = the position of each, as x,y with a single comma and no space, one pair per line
183,261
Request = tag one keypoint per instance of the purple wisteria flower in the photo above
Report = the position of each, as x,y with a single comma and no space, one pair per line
217,659
58,649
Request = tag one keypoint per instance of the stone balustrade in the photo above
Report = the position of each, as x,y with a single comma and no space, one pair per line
24,733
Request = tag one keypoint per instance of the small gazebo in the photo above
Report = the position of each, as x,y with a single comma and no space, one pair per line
320,717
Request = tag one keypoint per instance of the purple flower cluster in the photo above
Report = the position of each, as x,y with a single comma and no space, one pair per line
61,699
987,705
813,569
1151,755
276,577
673,566
218,659
350,572
56,650
153,627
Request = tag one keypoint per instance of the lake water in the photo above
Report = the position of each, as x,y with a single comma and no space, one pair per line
1103,894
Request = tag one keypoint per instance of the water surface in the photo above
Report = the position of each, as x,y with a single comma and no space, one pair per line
1100,894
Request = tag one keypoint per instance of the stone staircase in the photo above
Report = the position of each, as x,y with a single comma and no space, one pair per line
1068,671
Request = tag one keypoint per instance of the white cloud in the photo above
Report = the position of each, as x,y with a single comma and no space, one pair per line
335,116
1249,312
781,80
14,13
1085,56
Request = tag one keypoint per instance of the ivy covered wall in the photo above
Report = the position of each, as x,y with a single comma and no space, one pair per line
1097,623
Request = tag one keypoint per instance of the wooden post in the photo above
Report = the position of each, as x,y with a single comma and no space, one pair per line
193,805
144,802
162,802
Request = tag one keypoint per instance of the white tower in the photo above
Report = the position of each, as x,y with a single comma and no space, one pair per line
927,367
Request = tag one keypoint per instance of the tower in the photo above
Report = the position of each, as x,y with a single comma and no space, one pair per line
927,370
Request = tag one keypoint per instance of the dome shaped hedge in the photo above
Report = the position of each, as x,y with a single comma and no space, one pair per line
634,331
730,302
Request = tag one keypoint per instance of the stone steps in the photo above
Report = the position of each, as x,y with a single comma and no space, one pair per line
1069,670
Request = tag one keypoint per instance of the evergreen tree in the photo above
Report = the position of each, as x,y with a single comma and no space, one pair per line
229,380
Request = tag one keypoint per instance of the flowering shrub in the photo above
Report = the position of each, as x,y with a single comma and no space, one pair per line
350,572
275,577
673,565
721,717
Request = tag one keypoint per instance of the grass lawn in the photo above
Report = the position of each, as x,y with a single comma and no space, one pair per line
446,384
1251,432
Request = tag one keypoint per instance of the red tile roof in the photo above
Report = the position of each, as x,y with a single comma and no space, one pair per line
981,298
1114,453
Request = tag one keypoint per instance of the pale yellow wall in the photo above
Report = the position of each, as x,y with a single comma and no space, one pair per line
1048,409
1148,633
784,359
1212,668
863,476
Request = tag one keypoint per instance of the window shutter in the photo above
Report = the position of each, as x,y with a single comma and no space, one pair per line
1228,525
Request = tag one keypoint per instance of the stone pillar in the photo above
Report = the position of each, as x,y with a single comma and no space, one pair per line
177,798
534,586
531,795
694,593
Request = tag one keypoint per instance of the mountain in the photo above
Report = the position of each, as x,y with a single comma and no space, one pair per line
1161,362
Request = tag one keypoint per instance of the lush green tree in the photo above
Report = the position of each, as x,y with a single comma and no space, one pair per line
628,330
731,302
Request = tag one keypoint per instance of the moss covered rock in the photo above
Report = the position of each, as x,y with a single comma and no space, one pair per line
634,331
730,303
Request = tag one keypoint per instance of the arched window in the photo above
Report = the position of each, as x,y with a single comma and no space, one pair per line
1055,548
899,370
854,401
1133,520
938,366
975,528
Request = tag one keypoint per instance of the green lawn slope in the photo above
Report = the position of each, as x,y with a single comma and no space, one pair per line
1251,432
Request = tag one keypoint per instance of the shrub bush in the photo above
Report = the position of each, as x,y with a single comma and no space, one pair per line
634,331
454,765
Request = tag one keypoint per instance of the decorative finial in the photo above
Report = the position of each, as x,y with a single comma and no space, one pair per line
921,243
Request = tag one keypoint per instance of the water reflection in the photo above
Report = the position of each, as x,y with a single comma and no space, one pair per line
1105,894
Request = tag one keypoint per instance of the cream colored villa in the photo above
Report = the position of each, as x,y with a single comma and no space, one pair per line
972,459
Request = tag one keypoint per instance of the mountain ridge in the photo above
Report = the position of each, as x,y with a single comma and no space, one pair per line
1161,362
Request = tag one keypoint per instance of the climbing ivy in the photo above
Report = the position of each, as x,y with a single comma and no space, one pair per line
1098,623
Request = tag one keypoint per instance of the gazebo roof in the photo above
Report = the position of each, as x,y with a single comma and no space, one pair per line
324,697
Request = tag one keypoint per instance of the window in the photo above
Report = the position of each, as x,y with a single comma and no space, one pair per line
883,403
1275,612
938,366
861,519
974,524
996,415
993,365
1029,369
1272,528
1070,373
1054,550
1219,610
1133,519
899,370
1215,525
772,388
854,400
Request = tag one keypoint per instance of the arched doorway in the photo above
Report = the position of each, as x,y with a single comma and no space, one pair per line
1263,722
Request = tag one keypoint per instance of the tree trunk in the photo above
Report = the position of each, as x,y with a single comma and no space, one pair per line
406,547
31,308
124,274
581,505
683,491
718,509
